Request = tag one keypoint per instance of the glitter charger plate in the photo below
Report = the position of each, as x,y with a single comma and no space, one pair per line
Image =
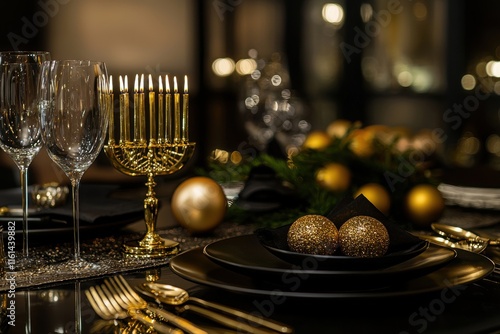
197,267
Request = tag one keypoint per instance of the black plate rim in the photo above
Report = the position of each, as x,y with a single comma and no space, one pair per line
391,270
402,290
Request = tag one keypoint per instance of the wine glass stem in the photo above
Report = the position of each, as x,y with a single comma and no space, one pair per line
76,218
24,204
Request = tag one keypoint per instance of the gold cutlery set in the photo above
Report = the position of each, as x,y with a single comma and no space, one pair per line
117,302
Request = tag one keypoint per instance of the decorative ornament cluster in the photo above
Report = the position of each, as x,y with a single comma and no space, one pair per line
388,165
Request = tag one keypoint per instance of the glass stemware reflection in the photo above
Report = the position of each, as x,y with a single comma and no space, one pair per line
74,117
20,135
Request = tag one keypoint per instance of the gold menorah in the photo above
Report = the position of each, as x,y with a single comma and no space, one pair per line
165,151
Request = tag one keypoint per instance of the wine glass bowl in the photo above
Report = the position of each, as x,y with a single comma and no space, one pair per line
74,119
20,134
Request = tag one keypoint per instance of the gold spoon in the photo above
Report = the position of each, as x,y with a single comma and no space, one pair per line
459,233
471,245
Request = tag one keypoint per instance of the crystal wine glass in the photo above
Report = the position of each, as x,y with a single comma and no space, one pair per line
74,118
20,135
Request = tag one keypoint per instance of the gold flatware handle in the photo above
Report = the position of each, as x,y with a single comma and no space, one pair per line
177,321
456,232
274,325
157,326
224,320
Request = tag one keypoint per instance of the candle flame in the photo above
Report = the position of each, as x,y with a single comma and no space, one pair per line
136,83
167,84
150,83
126,84
120,79
185,84
141,88
175,85
160,84
110,84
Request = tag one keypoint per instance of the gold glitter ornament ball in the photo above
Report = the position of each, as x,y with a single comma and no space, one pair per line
199,204
363,236
313,234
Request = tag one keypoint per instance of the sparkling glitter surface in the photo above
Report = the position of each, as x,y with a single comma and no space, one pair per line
106,253
313,234
363,236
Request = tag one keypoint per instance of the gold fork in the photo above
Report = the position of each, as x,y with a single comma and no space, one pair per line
115,299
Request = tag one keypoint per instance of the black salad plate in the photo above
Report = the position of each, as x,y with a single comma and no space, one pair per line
195,266
245,254
339,262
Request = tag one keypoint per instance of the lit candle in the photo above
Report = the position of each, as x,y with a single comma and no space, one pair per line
161,120
168,111
152,111
137,124
124,111
111,134
142,112
185,110
177,112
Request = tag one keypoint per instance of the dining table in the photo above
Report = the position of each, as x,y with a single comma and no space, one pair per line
461,294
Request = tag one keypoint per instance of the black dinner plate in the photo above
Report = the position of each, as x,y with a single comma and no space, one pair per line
348,262
195,266
246,255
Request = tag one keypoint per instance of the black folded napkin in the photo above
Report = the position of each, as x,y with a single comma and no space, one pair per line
400,240
264,191
97,205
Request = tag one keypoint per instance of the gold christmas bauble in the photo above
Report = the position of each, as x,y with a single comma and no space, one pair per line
377,195
424,204
313,234
334,176
199,204
338,128
317,140
362,142
363,236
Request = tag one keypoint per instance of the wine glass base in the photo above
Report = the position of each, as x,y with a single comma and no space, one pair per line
158,250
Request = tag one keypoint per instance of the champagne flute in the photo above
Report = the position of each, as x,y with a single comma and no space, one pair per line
20,134
74,119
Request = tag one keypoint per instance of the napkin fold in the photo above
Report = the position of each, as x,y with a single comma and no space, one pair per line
97,205
264,191
400,239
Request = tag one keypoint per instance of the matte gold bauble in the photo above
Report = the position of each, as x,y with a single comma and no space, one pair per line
362,142
313,234
424,205
334,176
317,140
377,195
199,204
363,236
338,128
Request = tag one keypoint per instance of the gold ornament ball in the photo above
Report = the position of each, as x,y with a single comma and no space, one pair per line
313,234
377,195
362,142
334,176
424,205
363,236
338,128
199,204
317,140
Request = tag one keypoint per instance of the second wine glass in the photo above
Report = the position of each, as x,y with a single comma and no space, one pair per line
74,120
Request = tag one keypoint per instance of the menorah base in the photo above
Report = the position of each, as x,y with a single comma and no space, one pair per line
160,249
